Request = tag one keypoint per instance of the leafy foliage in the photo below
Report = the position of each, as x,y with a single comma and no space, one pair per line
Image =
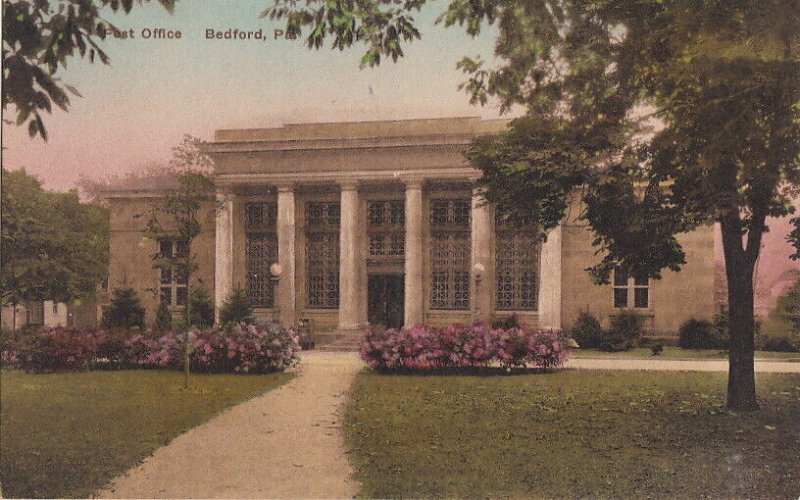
236,308
163,321
701,334
38,39
587,331
626,330
201,308
53,246
125,310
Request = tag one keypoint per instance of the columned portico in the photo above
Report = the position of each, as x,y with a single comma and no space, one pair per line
351,259
414,300
223,265
286,293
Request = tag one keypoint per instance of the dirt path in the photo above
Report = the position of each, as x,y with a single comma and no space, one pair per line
284,444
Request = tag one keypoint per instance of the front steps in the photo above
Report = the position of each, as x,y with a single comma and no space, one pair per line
337,341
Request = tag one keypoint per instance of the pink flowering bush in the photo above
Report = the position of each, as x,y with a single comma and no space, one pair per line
462,346
56,349
245,348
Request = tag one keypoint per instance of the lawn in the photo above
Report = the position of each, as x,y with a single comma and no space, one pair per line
572,434
67,434
678,353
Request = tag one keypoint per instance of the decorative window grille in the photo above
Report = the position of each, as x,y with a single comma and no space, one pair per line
517,269
261,251
173,278
387,239
450,254
322,254
630,291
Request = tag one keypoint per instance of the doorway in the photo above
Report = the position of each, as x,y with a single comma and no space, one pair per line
386,300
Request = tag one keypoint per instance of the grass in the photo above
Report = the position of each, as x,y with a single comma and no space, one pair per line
671,352
68,434
572,434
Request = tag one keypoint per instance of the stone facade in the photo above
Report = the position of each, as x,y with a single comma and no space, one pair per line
378,222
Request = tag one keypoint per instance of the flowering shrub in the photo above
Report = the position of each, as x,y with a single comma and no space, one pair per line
459,346
236,348
245,348
59,348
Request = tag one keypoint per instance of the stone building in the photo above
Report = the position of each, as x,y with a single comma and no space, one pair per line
377,223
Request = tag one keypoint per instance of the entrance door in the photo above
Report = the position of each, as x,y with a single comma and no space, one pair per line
386,298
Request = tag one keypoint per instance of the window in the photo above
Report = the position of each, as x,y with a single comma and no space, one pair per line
261,252
173,275
387,239
322,254
517,268
450,254
630,292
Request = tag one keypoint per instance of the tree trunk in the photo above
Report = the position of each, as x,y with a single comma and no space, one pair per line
739,267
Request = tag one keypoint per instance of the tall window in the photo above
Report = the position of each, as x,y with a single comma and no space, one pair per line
173,277
517,261
261,252
450,252
630,291
322,254
387,239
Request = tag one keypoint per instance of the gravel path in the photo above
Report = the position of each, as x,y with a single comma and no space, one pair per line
286,443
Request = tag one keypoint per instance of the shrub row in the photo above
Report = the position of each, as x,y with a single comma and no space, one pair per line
461,346
235,348
625,332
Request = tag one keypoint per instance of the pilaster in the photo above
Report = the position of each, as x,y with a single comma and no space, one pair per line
286,296
550,281
483,276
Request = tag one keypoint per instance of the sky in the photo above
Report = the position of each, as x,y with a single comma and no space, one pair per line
156,90
133,111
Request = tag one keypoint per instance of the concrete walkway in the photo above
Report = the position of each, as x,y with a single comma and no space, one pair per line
286,443
706,365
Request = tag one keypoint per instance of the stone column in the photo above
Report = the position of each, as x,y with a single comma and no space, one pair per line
223,254
550,280
414,299
482,237
350,258
285,295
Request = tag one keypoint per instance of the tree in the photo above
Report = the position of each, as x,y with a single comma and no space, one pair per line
788,306
201,307
38,38
53,246
236,308
175,217
125,310
659,116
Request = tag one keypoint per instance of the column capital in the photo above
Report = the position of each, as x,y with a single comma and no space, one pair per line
349,185
413,182
224,193
286,187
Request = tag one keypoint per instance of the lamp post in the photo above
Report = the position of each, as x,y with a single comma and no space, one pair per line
478,269
274,277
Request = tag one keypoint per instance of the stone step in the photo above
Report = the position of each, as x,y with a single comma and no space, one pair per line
336,341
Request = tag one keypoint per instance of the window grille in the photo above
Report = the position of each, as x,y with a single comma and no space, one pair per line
386,230
173,278
630,291
322,254
517,270
450,254
261,251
